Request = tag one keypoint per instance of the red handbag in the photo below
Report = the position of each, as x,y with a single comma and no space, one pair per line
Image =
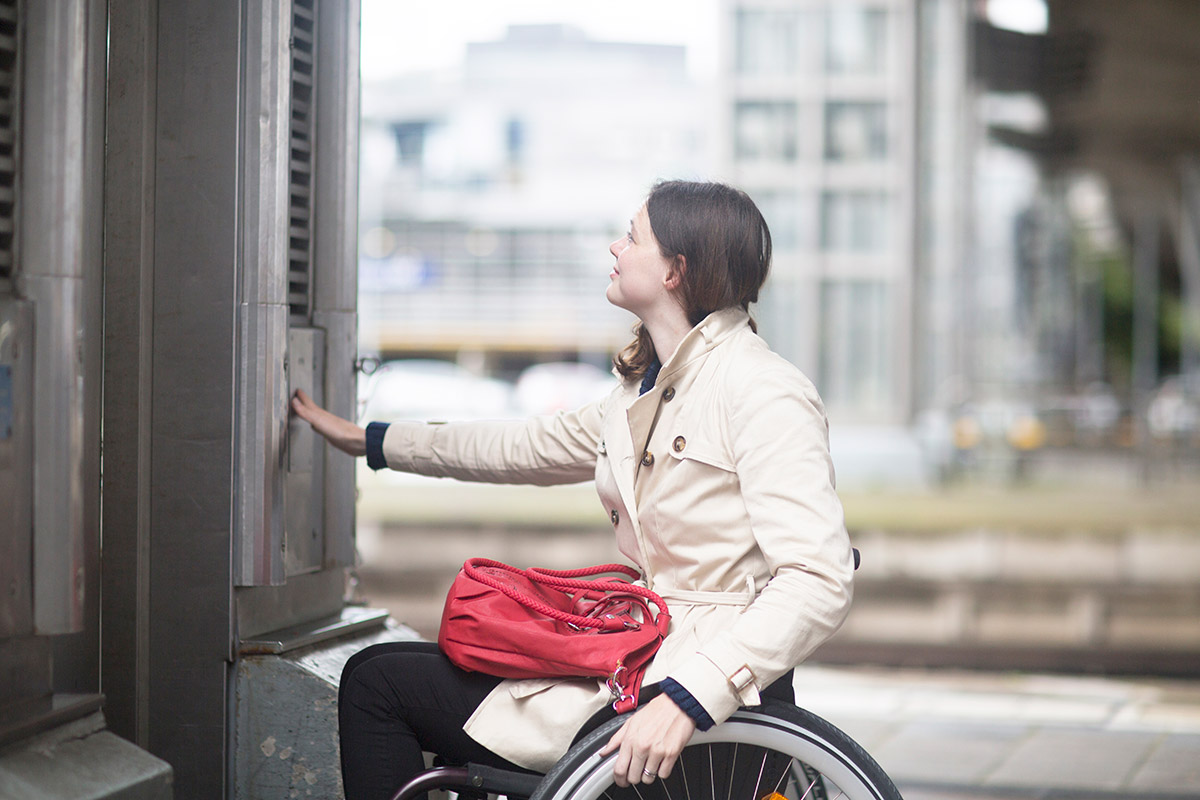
540,623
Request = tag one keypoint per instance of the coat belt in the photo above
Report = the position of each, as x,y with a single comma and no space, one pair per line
693,598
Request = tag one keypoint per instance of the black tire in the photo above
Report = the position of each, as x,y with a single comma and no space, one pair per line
772,748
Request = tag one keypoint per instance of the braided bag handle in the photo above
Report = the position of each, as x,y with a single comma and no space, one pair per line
566,580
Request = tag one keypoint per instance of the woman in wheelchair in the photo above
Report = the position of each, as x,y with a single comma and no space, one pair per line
711,459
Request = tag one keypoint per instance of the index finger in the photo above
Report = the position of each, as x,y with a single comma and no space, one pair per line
614,742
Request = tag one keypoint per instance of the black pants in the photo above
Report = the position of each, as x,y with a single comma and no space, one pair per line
401,698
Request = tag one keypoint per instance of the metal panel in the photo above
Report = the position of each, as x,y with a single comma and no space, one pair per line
53,249
77,657
9,103
262,311
128,287
261,419
16,456
25,665
304,103
304,598
58,546
305,533
335,293
338,483
197,207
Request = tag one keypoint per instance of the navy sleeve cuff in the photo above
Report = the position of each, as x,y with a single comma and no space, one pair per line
375,432
690,705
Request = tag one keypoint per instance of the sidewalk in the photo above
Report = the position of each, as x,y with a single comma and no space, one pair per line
945,735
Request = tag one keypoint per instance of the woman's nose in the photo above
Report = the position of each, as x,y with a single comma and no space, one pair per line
615,247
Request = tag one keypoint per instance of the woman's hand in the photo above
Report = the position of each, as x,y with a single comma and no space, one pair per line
341,433
650,742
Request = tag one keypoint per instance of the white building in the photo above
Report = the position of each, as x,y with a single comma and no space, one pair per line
490,194
839,118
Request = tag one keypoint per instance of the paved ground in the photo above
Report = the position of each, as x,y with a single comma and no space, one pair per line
958,735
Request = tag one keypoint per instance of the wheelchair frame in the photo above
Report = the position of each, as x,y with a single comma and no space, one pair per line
775,750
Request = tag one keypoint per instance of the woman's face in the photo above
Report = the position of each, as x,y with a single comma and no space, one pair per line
640,279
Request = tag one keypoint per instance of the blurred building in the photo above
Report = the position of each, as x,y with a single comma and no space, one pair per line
954,201
490,194
845,121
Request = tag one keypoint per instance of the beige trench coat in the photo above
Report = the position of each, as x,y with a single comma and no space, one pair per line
720,488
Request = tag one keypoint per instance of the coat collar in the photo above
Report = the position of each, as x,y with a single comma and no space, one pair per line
712,330
627,433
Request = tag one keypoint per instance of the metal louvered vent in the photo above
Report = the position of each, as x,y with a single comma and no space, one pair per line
300,162
8,132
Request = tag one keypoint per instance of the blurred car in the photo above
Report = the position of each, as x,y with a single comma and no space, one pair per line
1090,418
561,386
1174,410
432,390
998,423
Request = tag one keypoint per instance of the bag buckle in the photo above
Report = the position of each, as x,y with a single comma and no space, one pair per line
614,683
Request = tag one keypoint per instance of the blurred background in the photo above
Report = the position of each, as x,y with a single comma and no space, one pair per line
986,218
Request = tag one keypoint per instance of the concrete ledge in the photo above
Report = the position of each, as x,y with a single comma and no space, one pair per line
81,761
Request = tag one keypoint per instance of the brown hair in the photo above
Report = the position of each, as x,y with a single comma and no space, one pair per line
726,251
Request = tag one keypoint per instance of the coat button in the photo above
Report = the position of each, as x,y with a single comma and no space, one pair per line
615,517
647,458
679,444
669,394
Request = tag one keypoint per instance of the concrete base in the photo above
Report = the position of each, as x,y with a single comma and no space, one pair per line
82,761
286,734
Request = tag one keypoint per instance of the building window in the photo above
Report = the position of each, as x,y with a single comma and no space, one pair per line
856,40
767,41
791,217
854,357
857,221
855,131
765,131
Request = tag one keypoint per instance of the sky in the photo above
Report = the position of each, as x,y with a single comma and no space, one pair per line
400,36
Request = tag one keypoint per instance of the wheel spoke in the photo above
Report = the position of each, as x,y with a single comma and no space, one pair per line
687,792
801,756
712,778
761,769
787,770
729,792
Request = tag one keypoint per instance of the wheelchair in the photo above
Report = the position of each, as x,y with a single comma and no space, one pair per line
774,751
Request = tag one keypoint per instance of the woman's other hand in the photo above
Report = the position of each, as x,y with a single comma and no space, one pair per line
341,433
650,742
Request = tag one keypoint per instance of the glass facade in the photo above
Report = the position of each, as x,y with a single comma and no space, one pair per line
765,131
855,355
855,131
778,42
791,217
857,41
856,221
814,107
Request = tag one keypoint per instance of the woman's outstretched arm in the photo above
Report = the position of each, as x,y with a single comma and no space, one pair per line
341,433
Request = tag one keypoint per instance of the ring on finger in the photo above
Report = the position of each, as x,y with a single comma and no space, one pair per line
649,774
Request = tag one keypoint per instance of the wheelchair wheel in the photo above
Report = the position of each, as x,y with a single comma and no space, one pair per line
775,751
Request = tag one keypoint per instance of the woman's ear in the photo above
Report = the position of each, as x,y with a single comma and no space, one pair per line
675,273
